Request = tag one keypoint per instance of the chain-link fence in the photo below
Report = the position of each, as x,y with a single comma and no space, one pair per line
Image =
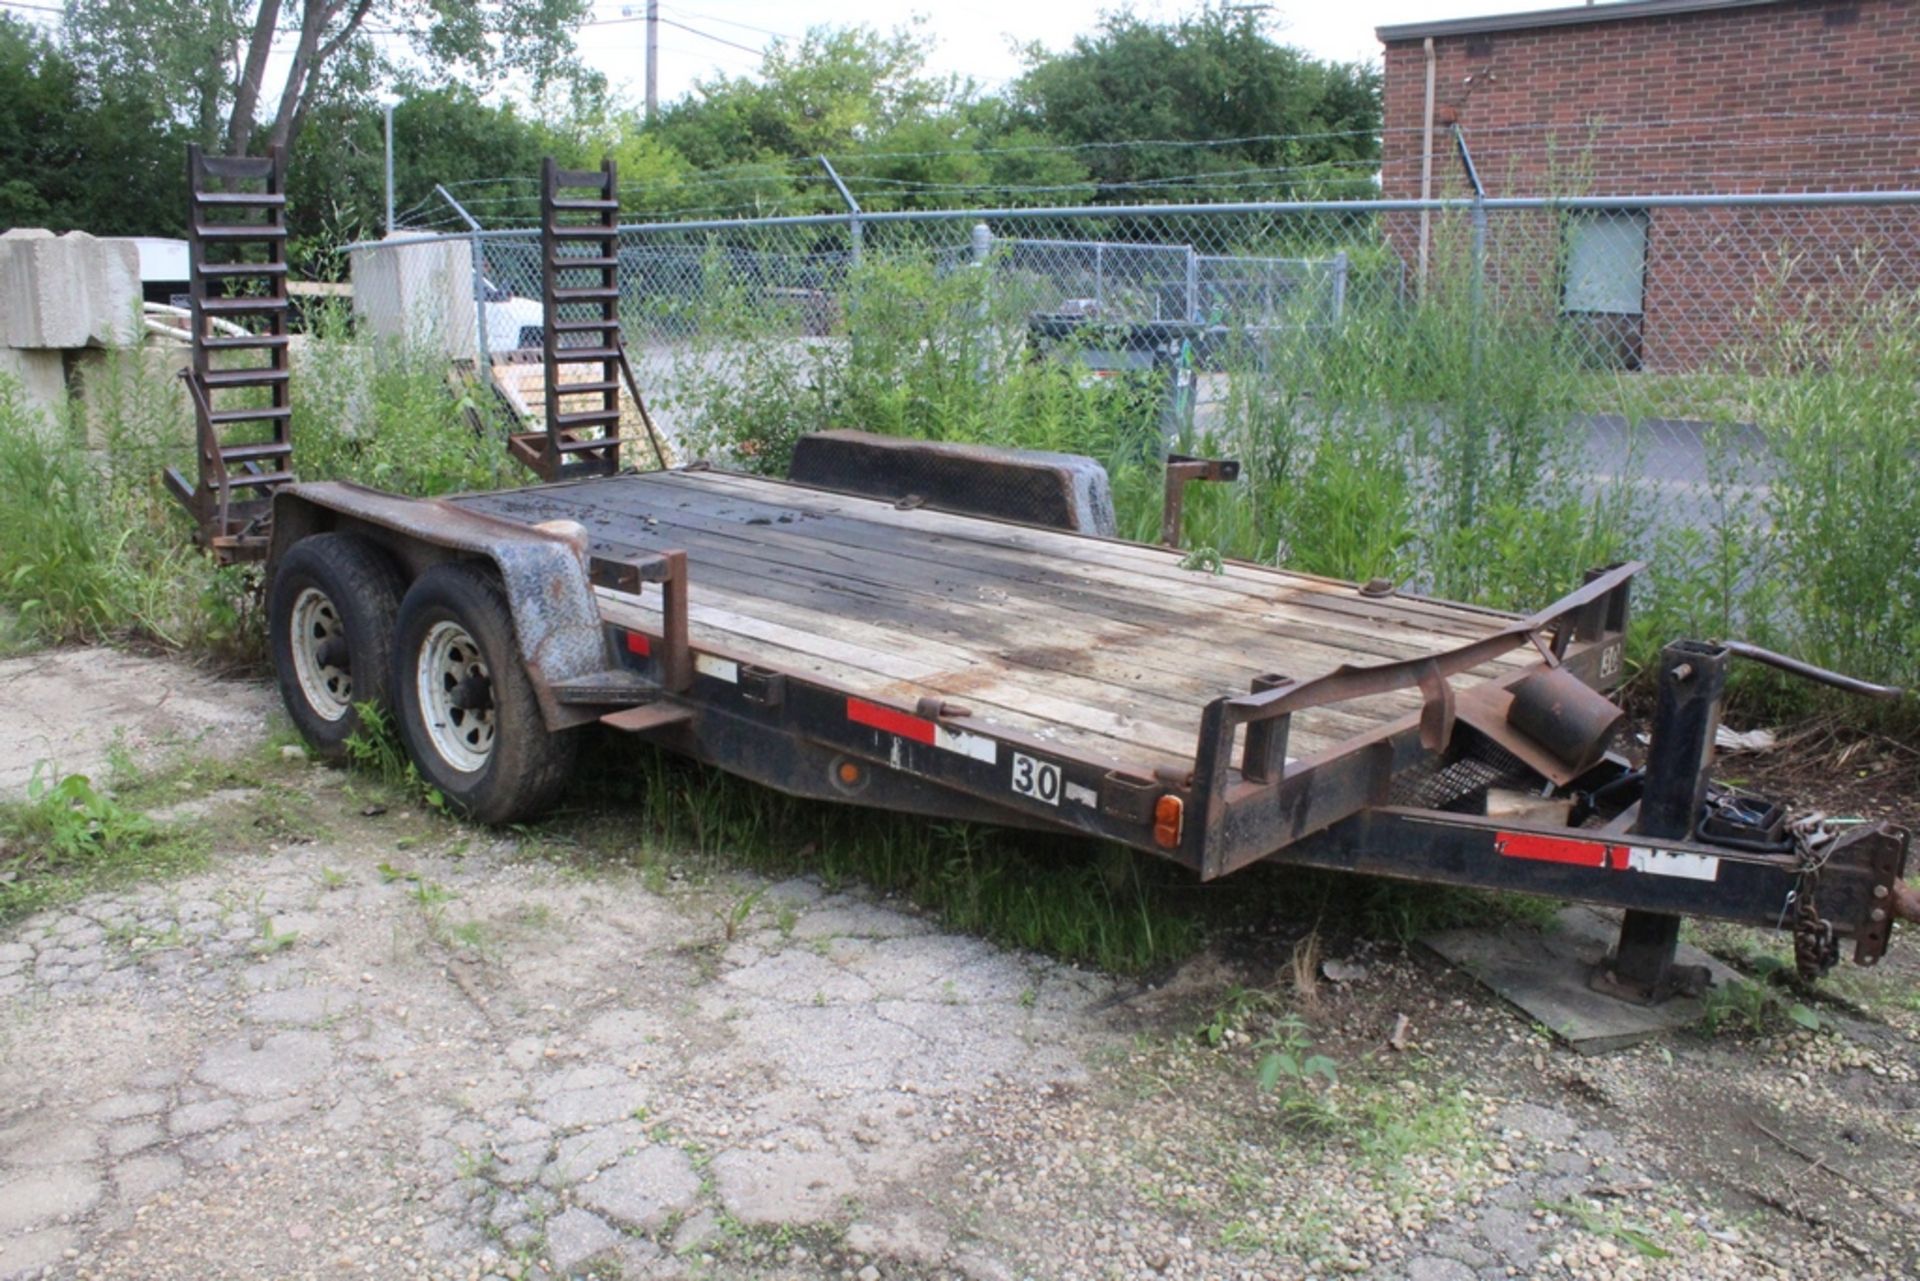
1474,395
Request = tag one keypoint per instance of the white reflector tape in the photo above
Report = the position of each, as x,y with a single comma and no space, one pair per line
958,740
1690,867
721,669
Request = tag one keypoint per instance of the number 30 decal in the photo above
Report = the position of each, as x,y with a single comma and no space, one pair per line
1038,779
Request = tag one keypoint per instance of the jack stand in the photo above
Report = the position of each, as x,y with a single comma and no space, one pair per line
1640,968
1693,676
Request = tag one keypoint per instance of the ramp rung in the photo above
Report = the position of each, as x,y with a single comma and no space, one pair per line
586,389
252,342
217,379
227,417
241,199
240,306
227,231
227,270
243,168
257,480
250,453
586,418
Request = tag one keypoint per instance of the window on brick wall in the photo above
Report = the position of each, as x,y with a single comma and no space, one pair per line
1603,291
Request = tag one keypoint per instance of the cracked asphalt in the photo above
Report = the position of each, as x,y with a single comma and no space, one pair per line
368,1041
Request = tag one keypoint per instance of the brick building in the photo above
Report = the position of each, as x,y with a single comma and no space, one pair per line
1665,97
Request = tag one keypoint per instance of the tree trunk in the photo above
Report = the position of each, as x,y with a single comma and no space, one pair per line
313,20
308,60
246,99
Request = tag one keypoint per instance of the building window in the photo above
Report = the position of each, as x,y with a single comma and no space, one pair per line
1603,291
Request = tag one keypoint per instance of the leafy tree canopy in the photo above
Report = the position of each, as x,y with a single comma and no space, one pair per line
1202,79
80,153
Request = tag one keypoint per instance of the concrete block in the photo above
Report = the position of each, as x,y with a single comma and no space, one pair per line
68,291
420,292
42,378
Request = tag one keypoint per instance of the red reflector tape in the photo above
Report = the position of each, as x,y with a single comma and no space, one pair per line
638,643
1552,849
1617,858
885,718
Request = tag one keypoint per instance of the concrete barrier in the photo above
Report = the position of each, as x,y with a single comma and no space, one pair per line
422,293
65,292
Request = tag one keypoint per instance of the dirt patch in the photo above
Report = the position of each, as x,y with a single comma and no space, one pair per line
72,708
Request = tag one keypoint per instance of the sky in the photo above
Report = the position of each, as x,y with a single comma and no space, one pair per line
975,38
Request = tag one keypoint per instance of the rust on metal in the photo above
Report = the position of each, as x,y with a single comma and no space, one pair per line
580,328
237,301
1183,469
1807,671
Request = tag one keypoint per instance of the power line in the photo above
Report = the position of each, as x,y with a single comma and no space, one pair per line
708,35
729,22
669,22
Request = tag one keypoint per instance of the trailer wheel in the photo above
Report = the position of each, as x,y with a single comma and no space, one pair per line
330,626
466,707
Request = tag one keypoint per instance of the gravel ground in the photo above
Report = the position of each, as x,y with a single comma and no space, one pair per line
384,1044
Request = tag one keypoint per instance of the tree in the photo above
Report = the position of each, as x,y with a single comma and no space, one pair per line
819,94
78,154
1200,80
217,55
488,153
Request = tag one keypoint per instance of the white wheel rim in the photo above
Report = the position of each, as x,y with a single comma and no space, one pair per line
449,662
316,627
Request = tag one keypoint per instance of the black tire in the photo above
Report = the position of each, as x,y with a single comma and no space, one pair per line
359,589
524,765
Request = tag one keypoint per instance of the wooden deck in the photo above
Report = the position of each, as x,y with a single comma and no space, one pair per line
1107,649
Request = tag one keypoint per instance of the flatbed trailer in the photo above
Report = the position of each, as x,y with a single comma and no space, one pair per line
943,631
879,652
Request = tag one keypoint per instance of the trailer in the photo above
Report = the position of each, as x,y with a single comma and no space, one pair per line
895,655
952,632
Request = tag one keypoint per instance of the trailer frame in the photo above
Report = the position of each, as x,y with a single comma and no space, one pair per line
1240,800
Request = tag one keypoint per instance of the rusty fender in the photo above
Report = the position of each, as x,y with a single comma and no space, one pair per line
556,621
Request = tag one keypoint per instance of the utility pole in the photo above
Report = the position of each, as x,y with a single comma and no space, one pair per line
389,166
653,58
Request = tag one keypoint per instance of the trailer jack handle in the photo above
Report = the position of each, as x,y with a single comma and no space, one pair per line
1807,671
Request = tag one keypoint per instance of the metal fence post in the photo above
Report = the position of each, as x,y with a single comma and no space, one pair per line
981,244
1339,285
1193,285
1478,283
856,233
481,349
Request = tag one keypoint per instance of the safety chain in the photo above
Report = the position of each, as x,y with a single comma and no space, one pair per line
1816,947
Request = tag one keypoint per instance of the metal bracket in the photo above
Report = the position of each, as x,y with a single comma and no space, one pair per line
1181,469
669,569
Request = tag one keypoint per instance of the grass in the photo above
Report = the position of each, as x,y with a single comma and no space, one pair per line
69,837
93,548
1441,445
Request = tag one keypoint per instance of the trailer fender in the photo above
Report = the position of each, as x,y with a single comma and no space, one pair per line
556,621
